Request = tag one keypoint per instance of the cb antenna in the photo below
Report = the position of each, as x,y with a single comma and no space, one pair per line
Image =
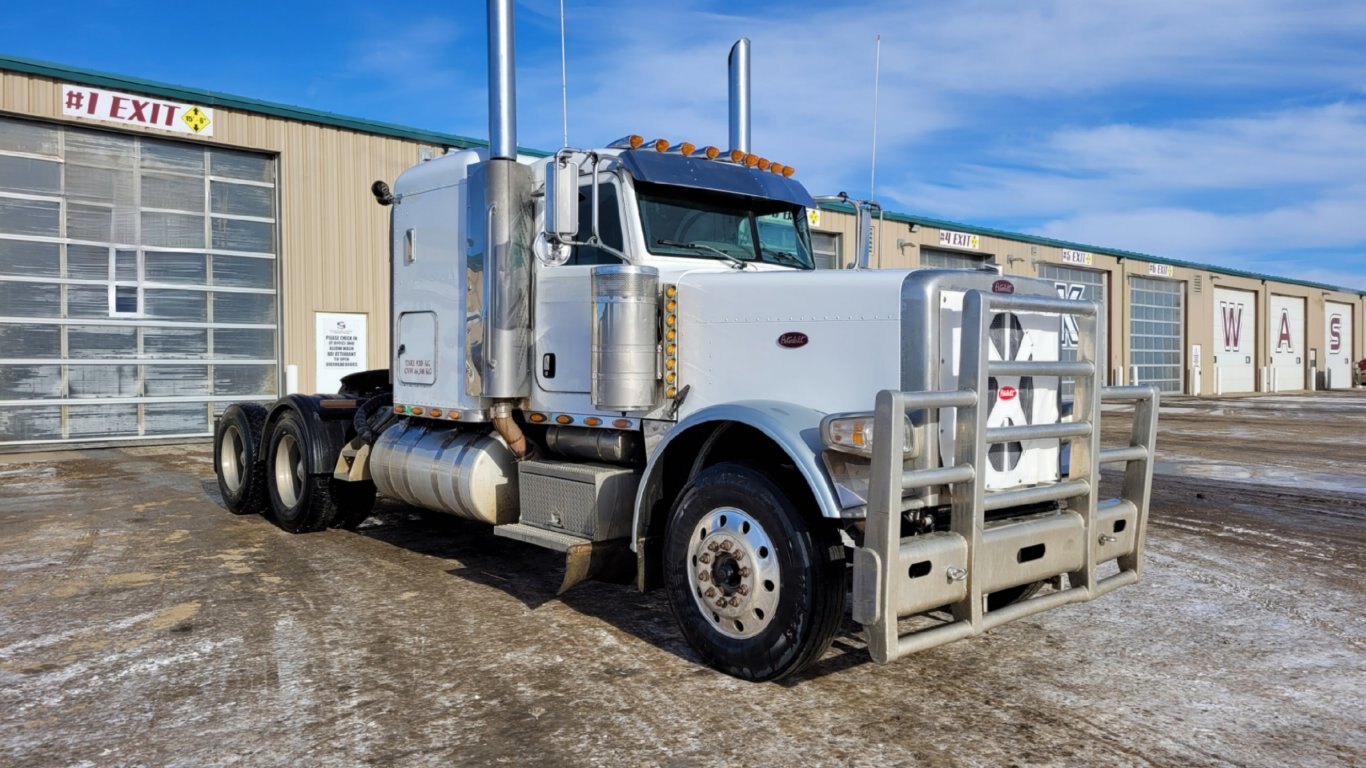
877,75
564,80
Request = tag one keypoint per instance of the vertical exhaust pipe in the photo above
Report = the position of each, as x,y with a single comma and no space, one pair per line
502,82
739,95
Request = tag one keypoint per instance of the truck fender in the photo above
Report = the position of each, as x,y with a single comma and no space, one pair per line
326,422
795,429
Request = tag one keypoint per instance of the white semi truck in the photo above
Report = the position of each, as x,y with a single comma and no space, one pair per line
626,354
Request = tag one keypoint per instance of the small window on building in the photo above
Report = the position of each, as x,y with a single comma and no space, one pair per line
825,247
125,300
933,257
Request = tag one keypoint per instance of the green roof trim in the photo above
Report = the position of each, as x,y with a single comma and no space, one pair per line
228,101
926,221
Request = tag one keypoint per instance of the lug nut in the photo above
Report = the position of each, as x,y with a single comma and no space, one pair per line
739,554
726,545
713,546
744,572
743,589
735,602
705,557
720,602
711,592
703,575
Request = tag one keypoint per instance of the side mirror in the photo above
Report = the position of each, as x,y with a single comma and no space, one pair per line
562,200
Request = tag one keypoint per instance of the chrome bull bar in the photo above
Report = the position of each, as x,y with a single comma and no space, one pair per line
897,577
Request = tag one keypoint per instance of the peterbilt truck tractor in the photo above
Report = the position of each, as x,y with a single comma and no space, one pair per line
625,354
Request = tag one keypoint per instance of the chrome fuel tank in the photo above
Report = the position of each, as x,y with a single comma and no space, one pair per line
447,469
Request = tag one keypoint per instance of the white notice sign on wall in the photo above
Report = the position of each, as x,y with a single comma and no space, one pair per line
340,345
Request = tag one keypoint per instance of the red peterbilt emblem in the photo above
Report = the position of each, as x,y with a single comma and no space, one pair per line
1008,393
793,339
1002,286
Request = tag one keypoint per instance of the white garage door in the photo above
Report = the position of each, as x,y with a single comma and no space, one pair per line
1338,323
1287,343
1155,333
1076,284
1234,341
137,284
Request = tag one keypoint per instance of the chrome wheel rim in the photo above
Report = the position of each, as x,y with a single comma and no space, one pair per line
733,572
232,459
289,470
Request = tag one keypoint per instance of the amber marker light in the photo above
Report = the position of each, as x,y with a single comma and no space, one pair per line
670,392
712,153
737,155
687,148
669,320
671,291
764,163
661,145
417,411
751,160
398,409
635,141
670,377
777,168
671,334
671,349
592,421
563,419
435,413
670,305
621,423
537,418
788,171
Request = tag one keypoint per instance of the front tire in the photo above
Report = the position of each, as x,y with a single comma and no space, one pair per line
241,472
757,590
302,500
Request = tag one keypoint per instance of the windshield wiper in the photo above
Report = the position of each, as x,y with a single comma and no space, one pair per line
785,257
702,247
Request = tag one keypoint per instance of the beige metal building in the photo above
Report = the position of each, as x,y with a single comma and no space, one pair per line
165,251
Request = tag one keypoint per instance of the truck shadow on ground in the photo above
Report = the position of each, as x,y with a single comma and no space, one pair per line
532,576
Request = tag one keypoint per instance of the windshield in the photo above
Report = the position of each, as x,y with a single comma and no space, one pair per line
708,225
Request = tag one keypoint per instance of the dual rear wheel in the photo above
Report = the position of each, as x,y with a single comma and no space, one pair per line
283,480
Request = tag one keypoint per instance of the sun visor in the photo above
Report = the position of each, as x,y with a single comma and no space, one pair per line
700,173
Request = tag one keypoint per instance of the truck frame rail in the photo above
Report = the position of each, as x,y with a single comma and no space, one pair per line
896,577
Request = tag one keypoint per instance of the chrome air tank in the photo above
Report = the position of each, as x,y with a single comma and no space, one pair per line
438,467
625,337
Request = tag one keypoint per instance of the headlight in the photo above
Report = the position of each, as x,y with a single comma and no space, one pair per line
853,433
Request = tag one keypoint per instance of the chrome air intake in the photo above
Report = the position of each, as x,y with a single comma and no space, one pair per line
625,337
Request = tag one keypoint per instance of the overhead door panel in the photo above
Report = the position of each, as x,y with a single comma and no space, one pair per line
1287,343
137,284
1156,341
1338,323
1234,341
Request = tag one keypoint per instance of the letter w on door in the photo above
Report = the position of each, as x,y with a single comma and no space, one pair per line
1233,325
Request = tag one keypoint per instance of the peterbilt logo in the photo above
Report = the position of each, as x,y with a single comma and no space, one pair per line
1008,393
1002,286
793,339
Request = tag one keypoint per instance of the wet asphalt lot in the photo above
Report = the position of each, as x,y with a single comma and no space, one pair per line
141,624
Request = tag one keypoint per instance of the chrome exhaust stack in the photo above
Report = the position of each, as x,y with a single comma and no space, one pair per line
502,82
739,94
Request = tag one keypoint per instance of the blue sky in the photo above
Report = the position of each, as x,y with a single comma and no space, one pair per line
1228,132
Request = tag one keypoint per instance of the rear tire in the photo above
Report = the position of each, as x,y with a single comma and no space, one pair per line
302,500
737,537
241,471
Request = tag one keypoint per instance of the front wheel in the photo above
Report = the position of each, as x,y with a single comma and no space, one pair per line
757,590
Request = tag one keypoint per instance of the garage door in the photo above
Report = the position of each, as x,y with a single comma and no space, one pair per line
1077,284
1337,334
1234,341
1155,333
137,284
1287,343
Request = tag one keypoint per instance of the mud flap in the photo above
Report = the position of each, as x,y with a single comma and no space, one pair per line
610,561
